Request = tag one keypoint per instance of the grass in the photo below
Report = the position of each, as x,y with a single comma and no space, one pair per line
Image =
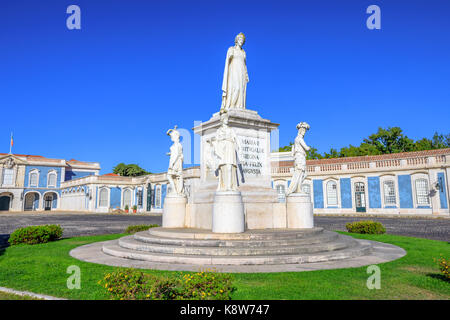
9,296
42,269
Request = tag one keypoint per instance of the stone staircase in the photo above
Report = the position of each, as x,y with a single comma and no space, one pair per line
253,247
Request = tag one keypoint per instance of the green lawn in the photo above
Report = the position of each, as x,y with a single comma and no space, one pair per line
42,269
9,296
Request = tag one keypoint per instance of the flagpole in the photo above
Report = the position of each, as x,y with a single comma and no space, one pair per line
10,144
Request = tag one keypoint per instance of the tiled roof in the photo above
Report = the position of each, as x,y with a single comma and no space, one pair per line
41,158
32,157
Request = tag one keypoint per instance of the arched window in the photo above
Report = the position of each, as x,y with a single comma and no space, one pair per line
51,179
127,198
422,194
281,192
8,177
158,197
103,198
33,179
332,193
389,193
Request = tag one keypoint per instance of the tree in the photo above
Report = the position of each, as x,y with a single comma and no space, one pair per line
384,141
390,140
129,170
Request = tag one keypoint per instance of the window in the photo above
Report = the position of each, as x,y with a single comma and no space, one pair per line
281,192
158,197
103,198
51,180
422,196
8,177
332,193
306,188
127,198
33,179
389,193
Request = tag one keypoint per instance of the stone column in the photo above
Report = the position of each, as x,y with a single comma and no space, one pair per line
228,212
299,211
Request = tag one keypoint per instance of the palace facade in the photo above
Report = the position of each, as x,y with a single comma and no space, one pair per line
402,183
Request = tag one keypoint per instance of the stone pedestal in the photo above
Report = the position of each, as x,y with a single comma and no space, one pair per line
299,211
228,212
174,212
254,170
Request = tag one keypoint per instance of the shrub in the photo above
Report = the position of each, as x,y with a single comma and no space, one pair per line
131,284
207,285
36,234
139,227
367,227
444,267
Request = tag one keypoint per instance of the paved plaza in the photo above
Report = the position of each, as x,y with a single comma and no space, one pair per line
96,224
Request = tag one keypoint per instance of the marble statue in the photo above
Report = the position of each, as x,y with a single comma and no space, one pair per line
299,150
235,76
175,171
226,148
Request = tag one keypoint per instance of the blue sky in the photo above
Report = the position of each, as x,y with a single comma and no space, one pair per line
110,91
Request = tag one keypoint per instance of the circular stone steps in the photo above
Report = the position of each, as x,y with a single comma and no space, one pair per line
325,236
253,247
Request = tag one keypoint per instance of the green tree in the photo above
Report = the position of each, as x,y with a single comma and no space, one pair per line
390,140
129,170
384,141
120,169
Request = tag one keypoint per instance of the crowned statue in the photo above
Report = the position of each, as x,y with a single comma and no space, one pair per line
235,76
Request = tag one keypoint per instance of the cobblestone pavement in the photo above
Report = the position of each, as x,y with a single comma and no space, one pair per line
96,224
436,229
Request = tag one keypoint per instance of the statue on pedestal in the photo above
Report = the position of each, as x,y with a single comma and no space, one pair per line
235,76
299,150
175,171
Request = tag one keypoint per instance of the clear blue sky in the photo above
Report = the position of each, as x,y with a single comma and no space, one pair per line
109,91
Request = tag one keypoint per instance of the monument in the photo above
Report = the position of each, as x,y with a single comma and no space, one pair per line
251,173
233,221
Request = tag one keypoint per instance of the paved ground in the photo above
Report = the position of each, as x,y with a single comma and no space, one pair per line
95,224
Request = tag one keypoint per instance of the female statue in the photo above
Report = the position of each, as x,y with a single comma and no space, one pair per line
235,76
226,148
175,171
299,150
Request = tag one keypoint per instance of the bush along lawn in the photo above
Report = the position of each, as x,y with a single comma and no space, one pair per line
42,268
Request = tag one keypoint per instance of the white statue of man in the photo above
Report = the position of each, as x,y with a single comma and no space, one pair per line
235,76
299,150
226,147
175,171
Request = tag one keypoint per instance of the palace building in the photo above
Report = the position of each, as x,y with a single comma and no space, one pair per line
401,183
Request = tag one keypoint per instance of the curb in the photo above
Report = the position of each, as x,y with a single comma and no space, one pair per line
29,294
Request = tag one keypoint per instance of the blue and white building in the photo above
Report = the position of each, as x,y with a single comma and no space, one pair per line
31,182
402,183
